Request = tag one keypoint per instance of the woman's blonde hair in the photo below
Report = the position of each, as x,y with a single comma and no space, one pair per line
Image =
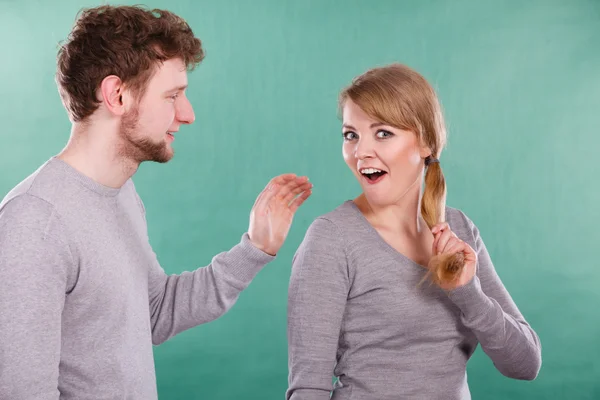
401,97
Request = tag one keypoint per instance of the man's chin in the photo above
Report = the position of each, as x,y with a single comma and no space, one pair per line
162,155
162,158
165,160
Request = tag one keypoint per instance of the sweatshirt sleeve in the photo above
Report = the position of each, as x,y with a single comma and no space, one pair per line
318,290
182,301
34,277
489,311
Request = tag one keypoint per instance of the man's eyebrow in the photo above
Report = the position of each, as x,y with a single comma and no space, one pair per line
177,89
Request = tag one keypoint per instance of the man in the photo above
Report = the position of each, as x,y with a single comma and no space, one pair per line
82,296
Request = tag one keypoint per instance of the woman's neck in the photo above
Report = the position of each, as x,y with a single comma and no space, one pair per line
402,216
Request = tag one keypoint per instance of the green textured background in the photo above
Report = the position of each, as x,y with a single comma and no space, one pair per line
520,84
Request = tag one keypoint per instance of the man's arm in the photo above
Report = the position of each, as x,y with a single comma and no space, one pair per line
179,302
34,264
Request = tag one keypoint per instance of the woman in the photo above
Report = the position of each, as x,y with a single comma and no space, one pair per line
358,308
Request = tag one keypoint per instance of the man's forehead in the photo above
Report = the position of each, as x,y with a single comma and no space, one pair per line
172,74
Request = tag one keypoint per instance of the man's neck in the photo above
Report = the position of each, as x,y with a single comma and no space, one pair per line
94,152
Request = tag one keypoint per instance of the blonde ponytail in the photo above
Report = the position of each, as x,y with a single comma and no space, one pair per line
442,268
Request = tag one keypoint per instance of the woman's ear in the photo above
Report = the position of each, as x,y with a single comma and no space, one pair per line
425,151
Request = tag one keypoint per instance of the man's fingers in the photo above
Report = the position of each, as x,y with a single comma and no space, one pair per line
280,186
294,192
283,179
261,195
266,195
299,200
290,186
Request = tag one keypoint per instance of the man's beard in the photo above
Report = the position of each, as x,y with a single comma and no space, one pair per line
140,149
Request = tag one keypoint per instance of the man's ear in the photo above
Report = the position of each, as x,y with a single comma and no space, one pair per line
111,93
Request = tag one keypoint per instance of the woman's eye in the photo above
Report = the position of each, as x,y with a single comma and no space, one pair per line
384,134
349,135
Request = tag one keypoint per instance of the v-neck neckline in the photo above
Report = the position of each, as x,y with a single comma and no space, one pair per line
365,222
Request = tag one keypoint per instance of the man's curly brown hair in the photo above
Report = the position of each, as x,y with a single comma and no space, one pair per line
126,41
